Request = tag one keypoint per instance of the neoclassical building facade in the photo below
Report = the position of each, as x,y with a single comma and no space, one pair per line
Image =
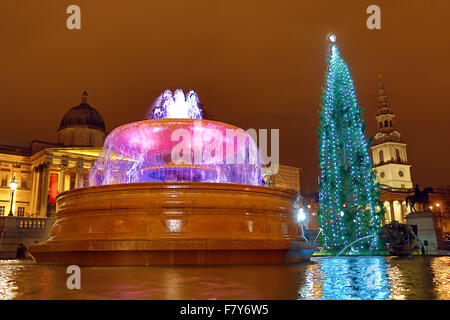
43,169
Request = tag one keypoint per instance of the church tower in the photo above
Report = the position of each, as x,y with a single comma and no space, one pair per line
388,149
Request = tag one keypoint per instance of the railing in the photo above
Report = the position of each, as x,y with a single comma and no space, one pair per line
31,223
436,189
26,230
399,190
396,161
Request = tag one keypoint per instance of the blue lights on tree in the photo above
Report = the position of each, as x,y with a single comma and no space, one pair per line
348,195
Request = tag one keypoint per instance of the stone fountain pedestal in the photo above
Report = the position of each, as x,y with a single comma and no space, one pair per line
175,223
425,229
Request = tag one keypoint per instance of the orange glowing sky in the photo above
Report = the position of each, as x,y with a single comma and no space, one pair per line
254,64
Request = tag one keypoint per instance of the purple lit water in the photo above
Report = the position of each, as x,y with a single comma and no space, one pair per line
176,144
176,106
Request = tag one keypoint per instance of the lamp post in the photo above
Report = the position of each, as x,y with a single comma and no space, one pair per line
13,187
440,216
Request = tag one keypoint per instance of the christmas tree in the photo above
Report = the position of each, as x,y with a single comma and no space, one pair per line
348,195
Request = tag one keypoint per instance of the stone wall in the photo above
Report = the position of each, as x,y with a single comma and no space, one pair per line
16,230
287,178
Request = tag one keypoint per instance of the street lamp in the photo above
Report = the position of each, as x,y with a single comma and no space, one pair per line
13,187
440,215
301,215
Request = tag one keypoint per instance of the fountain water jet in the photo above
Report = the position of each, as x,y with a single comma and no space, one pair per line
357,240
176,106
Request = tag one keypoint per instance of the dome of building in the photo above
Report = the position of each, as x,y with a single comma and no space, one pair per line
83,115
82,126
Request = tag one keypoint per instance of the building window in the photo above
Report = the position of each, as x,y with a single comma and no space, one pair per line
2,210
385,123
20,211
91,139
4,181
381,125
382,174
381,156
24,183
400,173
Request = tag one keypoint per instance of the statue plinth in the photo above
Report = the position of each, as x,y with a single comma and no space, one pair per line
425,229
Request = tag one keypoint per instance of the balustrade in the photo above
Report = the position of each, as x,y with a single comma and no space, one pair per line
31,223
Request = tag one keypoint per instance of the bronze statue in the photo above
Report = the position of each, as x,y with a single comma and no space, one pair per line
419,197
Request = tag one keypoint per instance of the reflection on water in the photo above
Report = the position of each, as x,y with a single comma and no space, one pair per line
323,278
441,279
347,278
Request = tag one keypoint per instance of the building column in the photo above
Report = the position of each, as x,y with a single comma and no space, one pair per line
402,211
391,207
62,177
79,175
44,189
33,191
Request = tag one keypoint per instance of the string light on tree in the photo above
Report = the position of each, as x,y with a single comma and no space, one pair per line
348,194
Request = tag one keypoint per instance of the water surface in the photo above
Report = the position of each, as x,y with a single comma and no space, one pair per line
322,278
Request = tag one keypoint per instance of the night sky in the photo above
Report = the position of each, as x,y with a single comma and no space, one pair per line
254,64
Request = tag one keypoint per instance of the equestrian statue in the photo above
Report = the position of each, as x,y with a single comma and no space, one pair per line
420,197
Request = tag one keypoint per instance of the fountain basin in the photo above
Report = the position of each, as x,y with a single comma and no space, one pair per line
174,223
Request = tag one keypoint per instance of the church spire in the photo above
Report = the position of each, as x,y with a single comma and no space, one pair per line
382,99
384,116
388,148
383,107
84,99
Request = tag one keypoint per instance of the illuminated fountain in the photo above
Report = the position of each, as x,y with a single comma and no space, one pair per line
175,189
174,145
